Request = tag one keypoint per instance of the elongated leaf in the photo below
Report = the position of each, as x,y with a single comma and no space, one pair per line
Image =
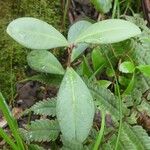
12,124
131,138
44,61
35,34
75,107
43,130
45,107
108,31
134,138
73,33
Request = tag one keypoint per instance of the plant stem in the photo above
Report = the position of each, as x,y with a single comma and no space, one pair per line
11,80
101,132
120,103
114,8
65,12
69,49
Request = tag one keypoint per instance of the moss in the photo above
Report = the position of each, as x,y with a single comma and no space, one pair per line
12,55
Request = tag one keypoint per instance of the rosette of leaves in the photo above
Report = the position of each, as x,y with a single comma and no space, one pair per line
75,105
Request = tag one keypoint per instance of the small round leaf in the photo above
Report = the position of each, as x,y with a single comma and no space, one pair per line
127,67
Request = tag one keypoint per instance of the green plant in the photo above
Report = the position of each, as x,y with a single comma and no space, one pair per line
75,105
17,142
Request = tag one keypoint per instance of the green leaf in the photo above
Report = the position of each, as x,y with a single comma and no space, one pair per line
106,101
35,34
73,33
12,125
130,86
145,69
108,31
110,72
44,61
134,138
123,80
127,67
131,138
45,107
102,6
75,107
104,83
97,59
71,145
43,130
86,69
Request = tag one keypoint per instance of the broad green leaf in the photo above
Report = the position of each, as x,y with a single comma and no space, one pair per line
97,59
127,67
35,34
108,31
75,107
145,69
102,6
44,61
73,33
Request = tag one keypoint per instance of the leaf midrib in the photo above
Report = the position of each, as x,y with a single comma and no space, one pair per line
93,34
47,35
73,102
